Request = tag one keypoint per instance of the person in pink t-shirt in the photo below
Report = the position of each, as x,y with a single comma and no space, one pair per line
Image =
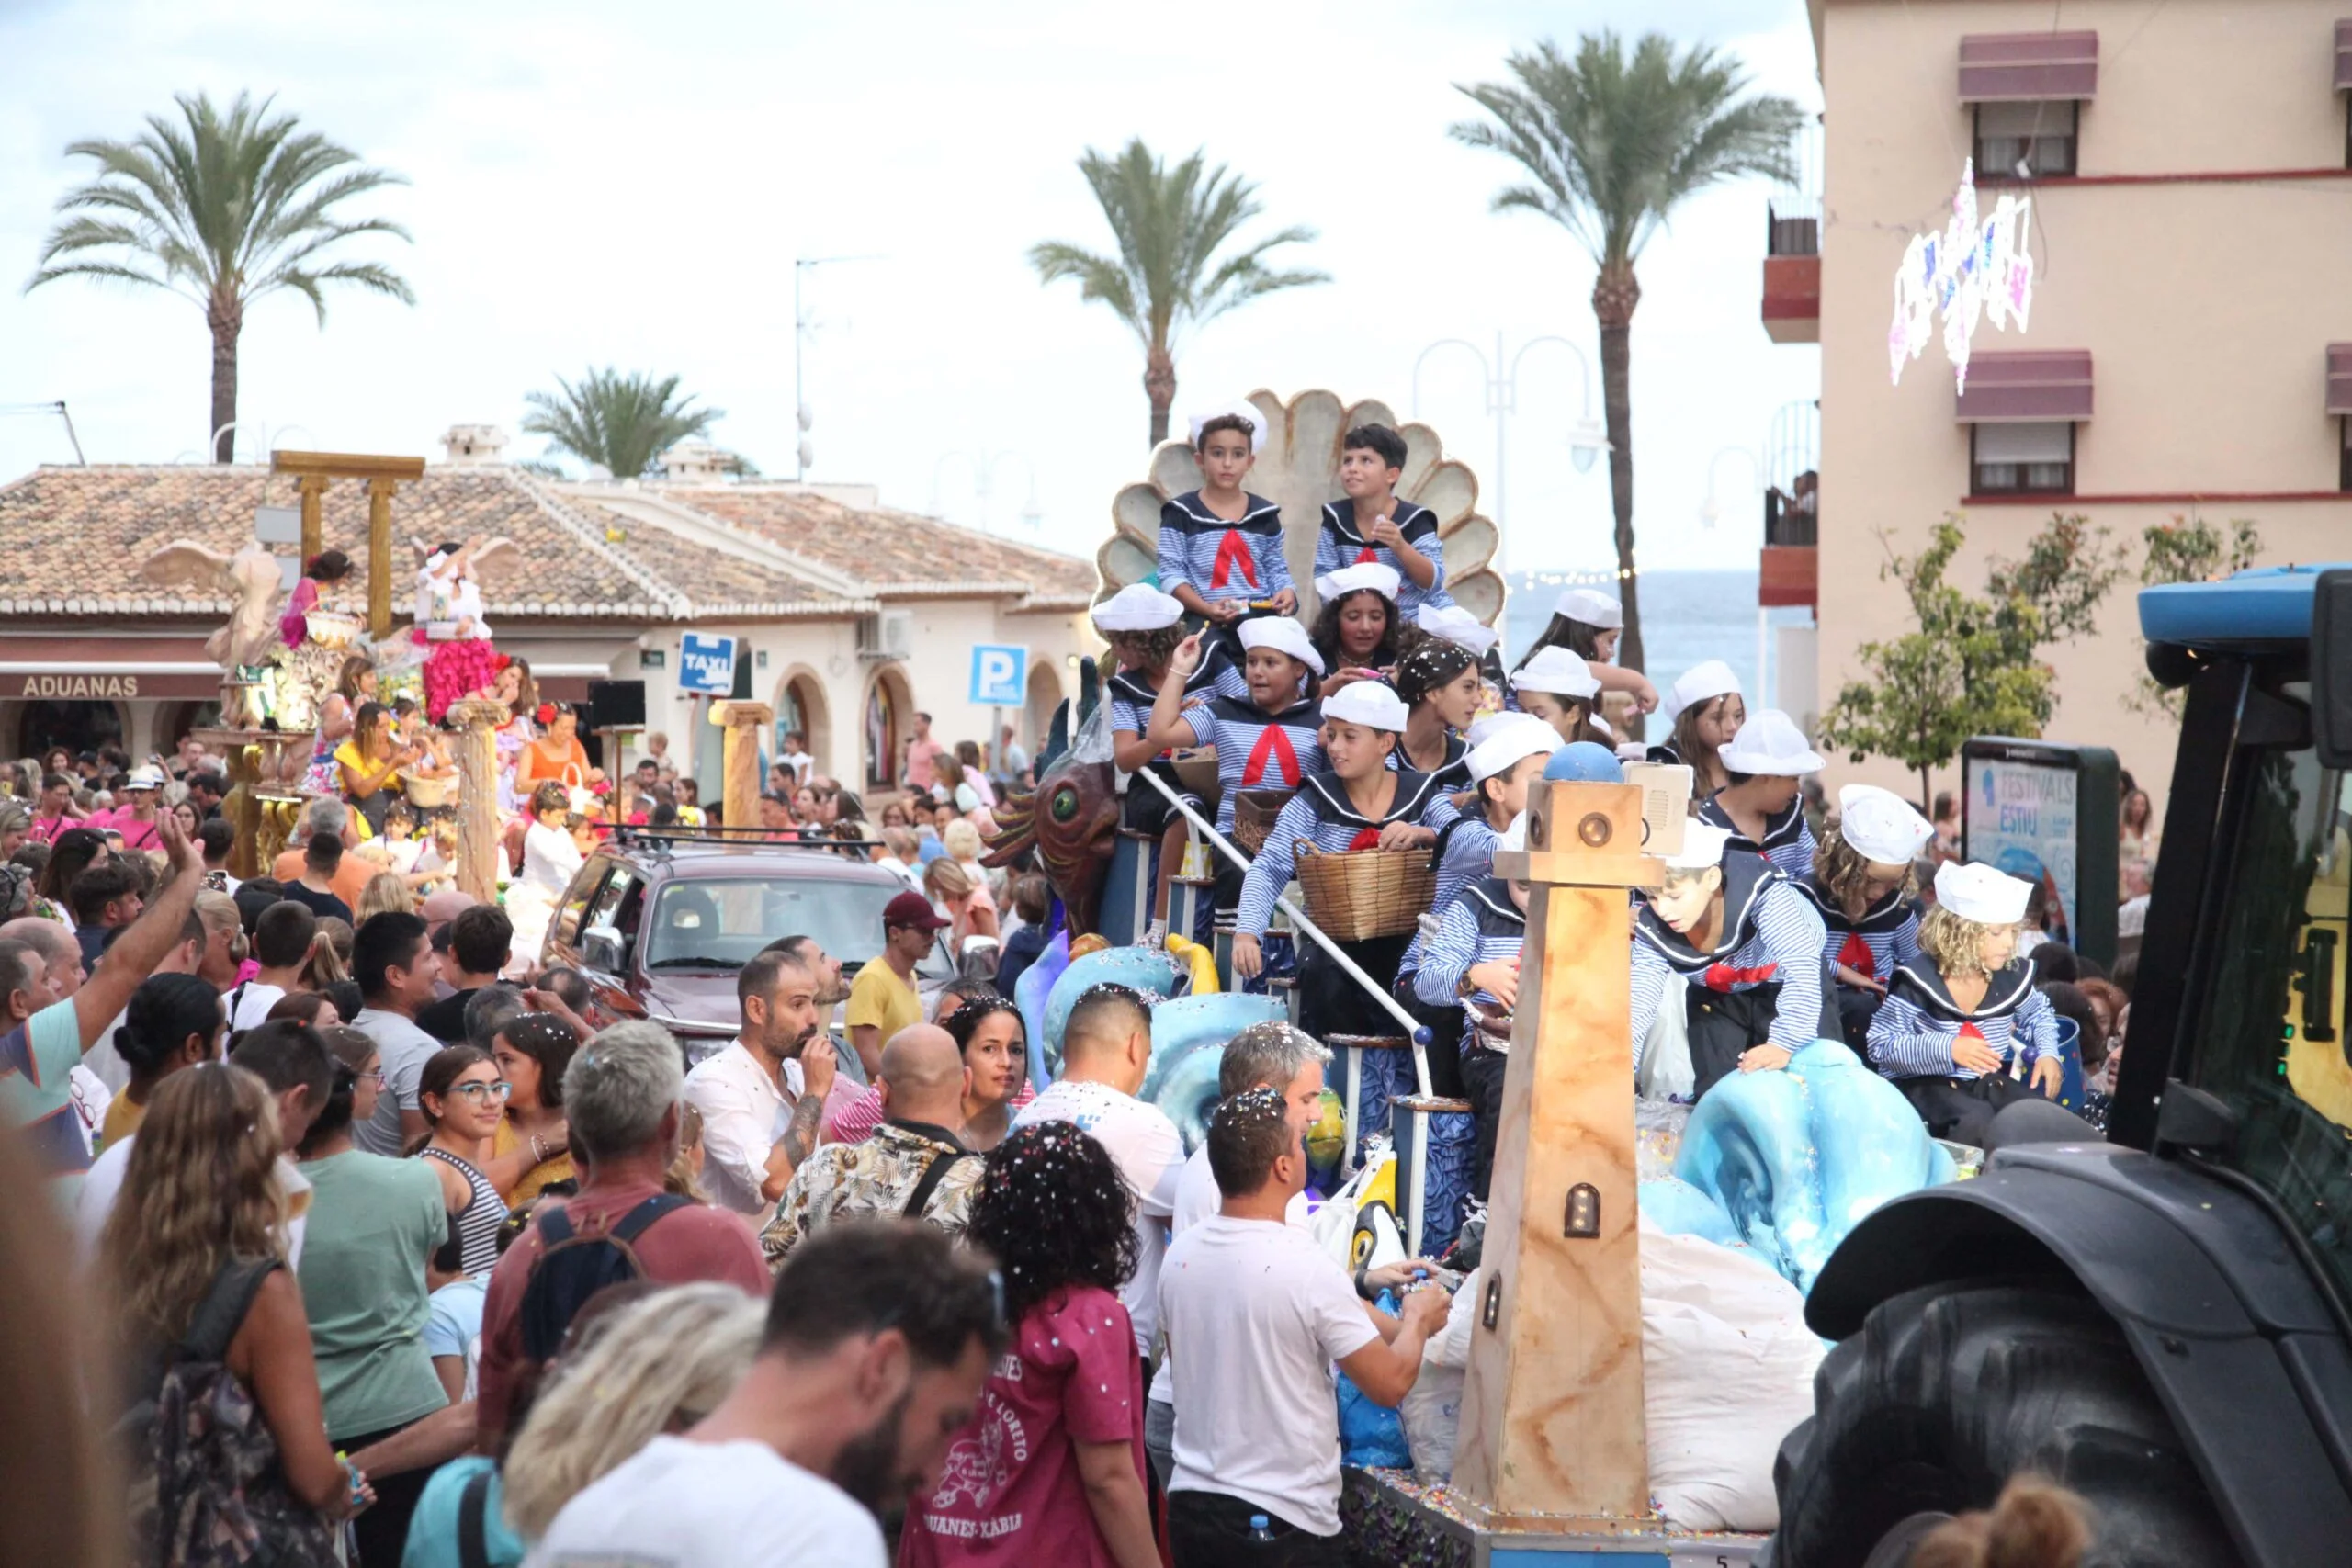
1050,1468
139,822
923,755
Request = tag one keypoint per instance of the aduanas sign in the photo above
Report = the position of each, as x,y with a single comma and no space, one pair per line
706,665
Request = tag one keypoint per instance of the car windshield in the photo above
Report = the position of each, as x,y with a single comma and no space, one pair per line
719,922
2272,1040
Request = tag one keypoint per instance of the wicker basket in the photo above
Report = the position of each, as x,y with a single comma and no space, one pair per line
428,794
1254,811
1368,893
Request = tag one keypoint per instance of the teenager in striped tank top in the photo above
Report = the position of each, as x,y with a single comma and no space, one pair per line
461,1095
1863,884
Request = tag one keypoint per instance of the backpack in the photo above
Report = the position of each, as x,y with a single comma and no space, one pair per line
572,1267
207,1490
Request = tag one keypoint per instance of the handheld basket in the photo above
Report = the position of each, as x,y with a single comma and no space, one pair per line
428,794
1254,811
1366,894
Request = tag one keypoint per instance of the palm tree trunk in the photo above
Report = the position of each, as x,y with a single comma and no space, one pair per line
226,316
1615,293
1159,386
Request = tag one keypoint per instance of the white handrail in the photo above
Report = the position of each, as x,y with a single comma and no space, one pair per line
1414,1028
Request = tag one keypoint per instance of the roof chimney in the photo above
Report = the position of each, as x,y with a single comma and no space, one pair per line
471,446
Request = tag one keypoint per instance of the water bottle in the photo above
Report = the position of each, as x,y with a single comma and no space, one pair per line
1260,1529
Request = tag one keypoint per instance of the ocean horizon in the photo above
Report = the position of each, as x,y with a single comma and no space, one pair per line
1688,617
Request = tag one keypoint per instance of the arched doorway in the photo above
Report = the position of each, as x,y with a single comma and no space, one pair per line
173,720
889,710
800,705
1045,697
78,727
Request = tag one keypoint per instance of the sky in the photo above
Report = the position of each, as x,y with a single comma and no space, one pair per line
594,184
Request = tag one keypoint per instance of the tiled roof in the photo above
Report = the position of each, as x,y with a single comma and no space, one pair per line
71,540
894,554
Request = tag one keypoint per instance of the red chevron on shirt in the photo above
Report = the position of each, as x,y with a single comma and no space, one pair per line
1724,976
1970,1032
1273,746
1365,838
1367,556
1233,554
1856,956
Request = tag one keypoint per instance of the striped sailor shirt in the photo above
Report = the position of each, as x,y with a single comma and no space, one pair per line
1221,559
1256,749
1337,544
1788,840
1914,1031
1321,814
1465,854
1132,696
1453,775
1770,935
1886,935
1483,925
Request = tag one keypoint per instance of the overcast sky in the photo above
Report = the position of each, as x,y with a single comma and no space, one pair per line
627,185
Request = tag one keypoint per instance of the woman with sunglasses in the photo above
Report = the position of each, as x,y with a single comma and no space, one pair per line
462,1098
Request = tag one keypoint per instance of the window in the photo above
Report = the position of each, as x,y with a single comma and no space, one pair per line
721,922
2344,460
2039,136
2022,459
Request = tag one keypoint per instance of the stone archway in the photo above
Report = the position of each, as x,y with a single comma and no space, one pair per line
800,705
1045,695
886,720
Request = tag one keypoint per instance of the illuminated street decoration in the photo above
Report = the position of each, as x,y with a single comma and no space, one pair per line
1976,268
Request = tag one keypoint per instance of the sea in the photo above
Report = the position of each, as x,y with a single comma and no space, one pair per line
1688,617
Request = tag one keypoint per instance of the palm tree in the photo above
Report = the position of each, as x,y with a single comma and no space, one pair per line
1169,225
620,424
1612,146
221,209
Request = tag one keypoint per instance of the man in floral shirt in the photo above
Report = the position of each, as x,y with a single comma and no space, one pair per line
915,1164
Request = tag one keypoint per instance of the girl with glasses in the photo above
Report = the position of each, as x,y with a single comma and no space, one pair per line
462,1098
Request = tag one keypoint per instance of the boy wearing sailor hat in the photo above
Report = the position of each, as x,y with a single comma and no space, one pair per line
1763,804
1861,884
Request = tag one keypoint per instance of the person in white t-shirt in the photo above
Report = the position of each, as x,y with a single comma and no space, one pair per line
1106,1046
1256,1316
879,1336
282,938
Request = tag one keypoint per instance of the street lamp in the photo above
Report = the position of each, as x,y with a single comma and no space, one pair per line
1709,511
1586,439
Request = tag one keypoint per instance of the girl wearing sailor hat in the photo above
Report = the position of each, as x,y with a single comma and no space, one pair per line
1559,688
1589,623
1762,802
1357,628
1958,1018
1143,626
1749,945
1861,884
1442,687
1706,710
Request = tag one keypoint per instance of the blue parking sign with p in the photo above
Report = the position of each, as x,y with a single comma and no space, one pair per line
1000,675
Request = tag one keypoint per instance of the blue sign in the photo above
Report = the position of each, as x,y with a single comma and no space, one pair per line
706,665
999,676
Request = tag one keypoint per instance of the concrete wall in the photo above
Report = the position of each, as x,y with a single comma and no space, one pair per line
2207,306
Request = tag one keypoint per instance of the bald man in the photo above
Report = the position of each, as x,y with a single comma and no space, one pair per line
914,1165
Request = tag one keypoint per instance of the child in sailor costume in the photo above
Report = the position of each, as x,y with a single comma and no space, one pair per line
1354,599
1559,688
1357,803
1272,740
1471,960
1441,685
1221,547
1588,623
1757,988
1960,1016
1143,626
1706,711
1373,522
1862,885
1502,767
1763,806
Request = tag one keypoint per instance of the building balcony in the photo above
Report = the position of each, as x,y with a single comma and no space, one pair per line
1792,277
1788,572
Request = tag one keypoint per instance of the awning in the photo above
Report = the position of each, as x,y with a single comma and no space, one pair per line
2339,377
2037,385
2028,67
2343,56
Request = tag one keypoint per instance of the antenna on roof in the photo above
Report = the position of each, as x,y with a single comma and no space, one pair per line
57,408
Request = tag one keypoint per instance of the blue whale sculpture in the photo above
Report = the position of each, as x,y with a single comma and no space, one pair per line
1188,1038
1147,969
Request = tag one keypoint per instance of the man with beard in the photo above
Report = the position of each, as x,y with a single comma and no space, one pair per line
781,1066
879,1336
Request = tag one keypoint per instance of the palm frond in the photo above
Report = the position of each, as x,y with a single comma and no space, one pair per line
621,423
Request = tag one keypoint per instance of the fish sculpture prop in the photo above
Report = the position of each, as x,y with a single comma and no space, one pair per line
1145,969
1795,1158
1188,1036
1071,818
1029,994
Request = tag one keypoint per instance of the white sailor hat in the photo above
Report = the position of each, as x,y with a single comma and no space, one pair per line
1138,607
1977,892
1556,673
1368,703
1257,424
1703,846
1881,825
1381,580
1283,635
1591,608
1700,683
1484,727
1518,738
1515,835
1457,625
1770,742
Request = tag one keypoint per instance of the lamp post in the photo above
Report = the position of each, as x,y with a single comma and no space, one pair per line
1587,440
804,414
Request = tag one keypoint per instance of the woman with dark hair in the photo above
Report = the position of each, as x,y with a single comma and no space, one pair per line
209,1326
1053,1209
313,1007
988,1030
71,852
1442,687
462,1097
327,565
173,1021
1589,623
370,762
555,755
533,1143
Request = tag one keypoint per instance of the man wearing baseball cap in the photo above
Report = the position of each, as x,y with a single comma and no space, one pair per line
137,821
883,999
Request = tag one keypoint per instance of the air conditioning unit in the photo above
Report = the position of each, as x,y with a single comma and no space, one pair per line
890,635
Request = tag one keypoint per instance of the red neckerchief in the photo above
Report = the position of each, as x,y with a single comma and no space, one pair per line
1233,554
1272,746
1724,976
1856,956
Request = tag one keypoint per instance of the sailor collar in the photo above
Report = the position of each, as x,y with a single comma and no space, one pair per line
1305,714
2005,992
1783,829
1332,803
1885,915
1127,684
1341,516
1254,508
1493,895
1748,876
